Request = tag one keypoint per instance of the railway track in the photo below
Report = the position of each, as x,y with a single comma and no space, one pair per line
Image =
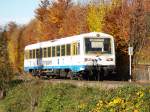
106,84
97,84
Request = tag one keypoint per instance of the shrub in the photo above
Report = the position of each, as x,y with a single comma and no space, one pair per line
24,97
126,99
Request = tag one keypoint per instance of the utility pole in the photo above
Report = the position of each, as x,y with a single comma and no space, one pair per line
130,52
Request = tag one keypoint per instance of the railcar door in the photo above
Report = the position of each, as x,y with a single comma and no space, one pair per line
75,51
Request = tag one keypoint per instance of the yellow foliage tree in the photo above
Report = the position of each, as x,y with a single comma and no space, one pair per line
12,51
95,17
13,35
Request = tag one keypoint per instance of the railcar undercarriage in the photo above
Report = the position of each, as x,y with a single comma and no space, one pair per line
90,73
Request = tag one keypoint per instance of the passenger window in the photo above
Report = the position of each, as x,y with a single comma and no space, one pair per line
74,48
37,53
40,53
33,53
53,51
44,52
49,51
63,50
68,49
58,51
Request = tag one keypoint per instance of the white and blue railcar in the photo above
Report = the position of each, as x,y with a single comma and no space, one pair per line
83,53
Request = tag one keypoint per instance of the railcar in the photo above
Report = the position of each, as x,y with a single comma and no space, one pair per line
84,56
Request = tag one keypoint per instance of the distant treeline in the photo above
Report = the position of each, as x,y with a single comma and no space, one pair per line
127,20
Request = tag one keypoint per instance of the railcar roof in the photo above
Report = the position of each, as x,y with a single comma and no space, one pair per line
37,45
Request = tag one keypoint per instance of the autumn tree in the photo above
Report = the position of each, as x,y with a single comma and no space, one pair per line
54,15
75,21
137,29
25,35
6,72
20,50
15,41
42,18
95,16
12,39
42,10
137,32
117,23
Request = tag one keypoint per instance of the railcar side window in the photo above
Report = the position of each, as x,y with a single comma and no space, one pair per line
37,53
58,51
33,53
40,53
53,51
49,51
44,52
68,49
63,50
75,48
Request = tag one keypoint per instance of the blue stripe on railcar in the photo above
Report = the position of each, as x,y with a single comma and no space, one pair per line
74,68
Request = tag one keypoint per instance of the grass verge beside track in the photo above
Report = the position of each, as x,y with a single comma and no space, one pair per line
47,96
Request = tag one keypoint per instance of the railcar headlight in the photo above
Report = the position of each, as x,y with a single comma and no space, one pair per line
109,59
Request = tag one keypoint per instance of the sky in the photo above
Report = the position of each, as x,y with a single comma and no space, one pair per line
19,11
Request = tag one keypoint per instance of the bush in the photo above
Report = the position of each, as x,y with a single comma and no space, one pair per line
24,97
126,99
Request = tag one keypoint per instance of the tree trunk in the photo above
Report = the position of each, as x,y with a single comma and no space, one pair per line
2,94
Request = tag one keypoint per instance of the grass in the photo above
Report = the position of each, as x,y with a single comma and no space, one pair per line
41,96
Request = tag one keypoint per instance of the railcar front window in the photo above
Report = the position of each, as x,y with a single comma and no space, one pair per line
97,46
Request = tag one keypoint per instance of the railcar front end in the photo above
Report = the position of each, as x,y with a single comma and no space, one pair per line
99,55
